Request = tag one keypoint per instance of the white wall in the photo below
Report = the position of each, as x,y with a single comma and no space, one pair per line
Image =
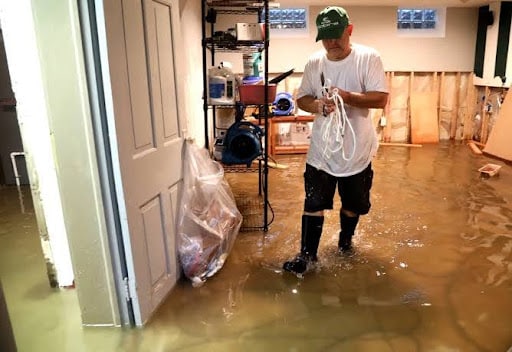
376,26
193,74
491,46
454,52
33,113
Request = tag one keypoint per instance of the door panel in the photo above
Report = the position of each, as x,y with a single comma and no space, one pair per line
163,80
137,79
142,70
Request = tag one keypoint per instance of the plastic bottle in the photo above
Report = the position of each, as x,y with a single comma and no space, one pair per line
257,65
227,71
221,84
248,65
216,86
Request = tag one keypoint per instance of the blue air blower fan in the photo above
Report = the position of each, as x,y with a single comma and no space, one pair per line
283,104
242,143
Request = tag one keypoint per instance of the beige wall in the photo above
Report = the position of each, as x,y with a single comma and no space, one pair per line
454,52
376,26
192,74
491,47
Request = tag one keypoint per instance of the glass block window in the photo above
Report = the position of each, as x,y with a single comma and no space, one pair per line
287,20
421,22
416,18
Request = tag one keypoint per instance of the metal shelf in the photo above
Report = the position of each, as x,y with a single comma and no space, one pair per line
257,206
237,5
241,168
241,46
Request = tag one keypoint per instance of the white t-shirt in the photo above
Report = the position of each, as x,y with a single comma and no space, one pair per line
361,71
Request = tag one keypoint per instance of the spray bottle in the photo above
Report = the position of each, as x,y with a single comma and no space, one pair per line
257,65
253,66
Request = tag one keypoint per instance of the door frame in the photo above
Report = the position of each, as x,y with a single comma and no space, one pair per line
83,153
98,81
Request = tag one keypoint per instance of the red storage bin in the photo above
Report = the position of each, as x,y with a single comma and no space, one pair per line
255,93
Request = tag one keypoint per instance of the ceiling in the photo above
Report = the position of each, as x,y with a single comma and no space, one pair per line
402,3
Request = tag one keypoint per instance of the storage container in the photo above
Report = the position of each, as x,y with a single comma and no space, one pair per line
221,85
489,170
255,94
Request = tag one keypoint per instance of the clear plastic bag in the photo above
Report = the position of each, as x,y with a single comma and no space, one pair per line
209,219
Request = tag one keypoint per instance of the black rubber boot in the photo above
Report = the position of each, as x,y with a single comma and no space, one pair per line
348,227
310,239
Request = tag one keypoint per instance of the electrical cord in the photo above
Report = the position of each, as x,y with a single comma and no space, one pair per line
337,123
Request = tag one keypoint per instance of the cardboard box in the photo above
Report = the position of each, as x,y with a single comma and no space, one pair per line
294,133
249,31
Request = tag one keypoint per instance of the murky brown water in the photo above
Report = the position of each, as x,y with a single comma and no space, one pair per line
432,270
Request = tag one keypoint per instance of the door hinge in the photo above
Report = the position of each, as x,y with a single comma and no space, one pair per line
126,285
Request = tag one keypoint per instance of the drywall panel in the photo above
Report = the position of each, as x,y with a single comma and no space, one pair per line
376,26
498,143
424,119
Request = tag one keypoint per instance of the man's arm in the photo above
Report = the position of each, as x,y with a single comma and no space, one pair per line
370,100
311,104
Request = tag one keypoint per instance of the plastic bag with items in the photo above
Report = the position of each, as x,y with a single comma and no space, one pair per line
209,219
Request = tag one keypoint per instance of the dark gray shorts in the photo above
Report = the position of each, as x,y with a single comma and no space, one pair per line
354,190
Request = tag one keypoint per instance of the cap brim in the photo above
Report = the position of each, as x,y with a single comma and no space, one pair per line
332,33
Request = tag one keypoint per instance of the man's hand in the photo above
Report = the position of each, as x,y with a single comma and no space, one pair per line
326,106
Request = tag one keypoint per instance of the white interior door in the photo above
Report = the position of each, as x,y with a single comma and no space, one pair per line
141,37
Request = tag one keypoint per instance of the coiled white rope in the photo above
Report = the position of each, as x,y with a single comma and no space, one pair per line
337,123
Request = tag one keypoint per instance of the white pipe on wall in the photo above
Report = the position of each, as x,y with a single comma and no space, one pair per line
15,167
17,177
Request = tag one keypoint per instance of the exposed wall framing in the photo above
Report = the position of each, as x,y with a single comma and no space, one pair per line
464,111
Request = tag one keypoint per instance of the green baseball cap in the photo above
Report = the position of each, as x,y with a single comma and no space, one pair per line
331,22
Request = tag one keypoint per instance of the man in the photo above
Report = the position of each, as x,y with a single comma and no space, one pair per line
354,74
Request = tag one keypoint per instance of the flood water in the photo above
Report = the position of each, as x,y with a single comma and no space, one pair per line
432,269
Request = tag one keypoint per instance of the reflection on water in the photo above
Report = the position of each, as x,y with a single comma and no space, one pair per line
431,271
